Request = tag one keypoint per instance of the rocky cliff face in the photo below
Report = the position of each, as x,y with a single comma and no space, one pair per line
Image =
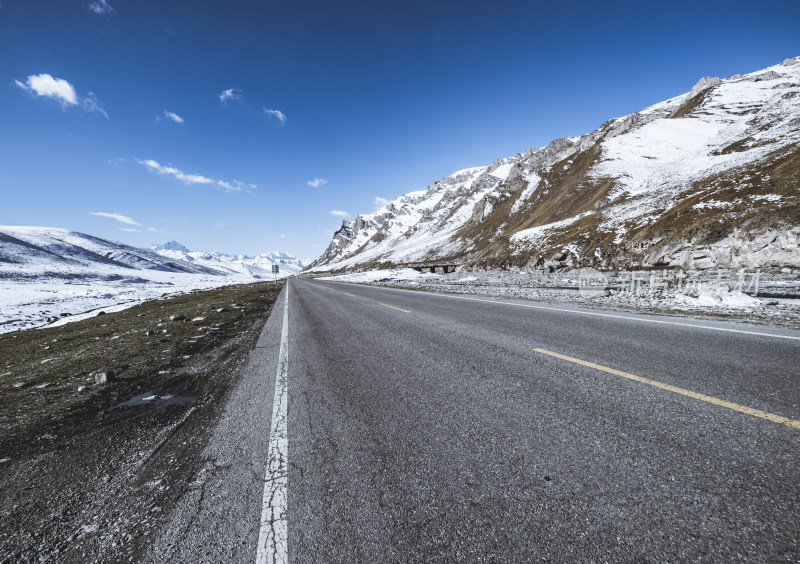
707,179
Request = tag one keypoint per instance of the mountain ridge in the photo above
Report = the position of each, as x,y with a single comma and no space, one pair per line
52,249
705,179
31,251
258,266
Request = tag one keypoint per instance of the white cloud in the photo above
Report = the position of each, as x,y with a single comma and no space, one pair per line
340,213
100,7
128,229
60,90
49,87
283,235
277,114
90,104
231,95
379,202
153,229
235,185
172,171
173,116
119,217
186,178
317,182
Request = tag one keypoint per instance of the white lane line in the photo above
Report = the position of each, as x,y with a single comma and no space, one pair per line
273,536
579,312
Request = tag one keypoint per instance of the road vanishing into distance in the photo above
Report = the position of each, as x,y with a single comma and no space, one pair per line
372,424
425,427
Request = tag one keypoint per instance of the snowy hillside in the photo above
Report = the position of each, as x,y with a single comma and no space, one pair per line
36,250
258,266
49,274
707,179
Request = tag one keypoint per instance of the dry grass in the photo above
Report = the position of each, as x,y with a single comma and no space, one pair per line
41,370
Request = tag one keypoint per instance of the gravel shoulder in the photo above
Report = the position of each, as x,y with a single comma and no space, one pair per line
778,301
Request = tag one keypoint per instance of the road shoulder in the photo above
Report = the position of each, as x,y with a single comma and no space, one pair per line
217,519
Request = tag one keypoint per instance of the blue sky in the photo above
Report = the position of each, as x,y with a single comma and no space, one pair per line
114,119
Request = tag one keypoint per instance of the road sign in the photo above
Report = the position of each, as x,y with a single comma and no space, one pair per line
275,269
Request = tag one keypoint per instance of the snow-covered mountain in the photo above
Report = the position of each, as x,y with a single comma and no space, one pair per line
257,266
55,275
707,179
49,250
32,251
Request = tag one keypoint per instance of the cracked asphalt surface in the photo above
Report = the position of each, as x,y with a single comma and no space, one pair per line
218,519
424,428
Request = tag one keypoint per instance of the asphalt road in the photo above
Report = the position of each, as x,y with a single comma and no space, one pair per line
370,424
426,428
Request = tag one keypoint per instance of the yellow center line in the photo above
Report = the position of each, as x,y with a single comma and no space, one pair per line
397,308
346,294
695,395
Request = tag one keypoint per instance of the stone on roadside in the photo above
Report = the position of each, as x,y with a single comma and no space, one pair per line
103,377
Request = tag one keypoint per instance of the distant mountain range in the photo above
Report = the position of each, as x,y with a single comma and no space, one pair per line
34,251
49,250
257,266
708,179
52,275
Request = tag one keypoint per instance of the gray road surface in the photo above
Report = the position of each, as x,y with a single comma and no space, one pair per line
425,428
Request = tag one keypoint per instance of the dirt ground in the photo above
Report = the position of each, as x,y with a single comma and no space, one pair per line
89,410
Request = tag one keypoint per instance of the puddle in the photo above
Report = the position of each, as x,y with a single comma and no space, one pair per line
159,401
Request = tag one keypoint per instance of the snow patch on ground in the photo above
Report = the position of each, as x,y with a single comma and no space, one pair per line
766,197
502,171
380,275
29,302
536,233
736,300
562,288
712,204
533,182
